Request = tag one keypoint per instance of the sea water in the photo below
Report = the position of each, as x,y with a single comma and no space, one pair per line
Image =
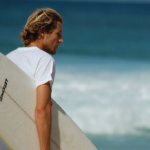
102,69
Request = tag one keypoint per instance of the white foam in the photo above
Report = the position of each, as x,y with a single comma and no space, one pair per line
107,97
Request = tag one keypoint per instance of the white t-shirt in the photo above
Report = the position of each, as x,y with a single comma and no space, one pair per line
38,64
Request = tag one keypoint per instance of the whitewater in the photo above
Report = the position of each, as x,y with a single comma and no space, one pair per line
104,96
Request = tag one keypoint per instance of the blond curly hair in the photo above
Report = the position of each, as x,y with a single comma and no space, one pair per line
41,20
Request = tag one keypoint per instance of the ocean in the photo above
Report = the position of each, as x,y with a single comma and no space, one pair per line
102,69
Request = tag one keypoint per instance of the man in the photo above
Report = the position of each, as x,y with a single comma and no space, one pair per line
41,36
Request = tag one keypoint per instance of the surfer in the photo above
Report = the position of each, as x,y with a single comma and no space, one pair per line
41,36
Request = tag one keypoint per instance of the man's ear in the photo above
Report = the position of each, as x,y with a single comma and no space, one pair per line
42,32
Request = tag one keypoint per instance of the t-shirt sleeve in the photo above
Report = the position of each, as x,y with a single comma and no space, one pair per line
45,72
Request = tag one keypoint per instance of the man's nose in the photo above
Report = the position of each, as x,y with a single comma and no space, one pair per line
61,40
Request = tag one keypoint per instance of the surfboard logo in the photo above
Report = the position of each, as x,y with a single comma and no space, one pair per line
3,90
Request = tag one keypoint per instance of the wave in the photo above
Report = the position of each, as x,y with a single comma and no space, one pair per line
105,97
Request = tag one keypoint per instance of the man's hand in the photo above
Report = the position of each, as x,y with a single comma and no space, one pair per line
43,115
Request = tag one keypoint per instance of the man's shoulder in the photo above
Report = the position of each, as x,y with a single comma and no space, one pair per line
14,52
30,52
42,55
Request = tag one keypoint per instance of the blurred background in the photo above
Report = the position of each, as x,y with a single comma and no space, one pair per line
102,68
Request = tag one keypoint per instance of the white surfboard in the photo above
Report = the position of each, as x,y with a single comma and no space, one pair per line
17,120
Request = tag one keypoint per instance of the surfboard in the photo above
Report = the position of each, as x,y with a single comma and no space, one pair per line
17,120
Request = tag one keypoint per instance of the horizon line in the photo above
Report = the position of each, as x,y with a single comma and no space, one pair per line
107,1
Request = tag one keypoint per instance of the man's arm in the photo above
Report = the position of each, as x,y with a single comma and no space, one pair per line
43,115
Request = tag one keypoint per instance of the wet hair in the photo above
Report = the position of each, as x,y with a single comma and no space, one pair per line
41,20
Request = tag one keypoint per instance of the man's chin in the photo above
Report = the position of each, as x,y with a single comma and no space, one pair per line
53,53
